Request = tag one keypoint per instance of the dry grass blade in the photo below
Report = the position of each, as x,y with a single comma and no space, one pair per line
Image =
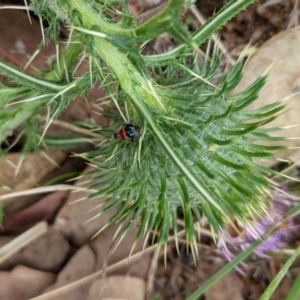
151,274
96,275
74,128
22,240
39,190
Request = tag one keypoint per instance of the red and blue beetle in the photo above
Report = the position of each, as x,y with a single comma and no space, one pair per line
128,132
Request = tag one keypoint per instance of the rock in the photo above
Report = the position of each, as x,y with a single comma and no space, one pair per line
21,38
37,212
72,219
119,287
80,265
23,283
47,253
28,176
100,246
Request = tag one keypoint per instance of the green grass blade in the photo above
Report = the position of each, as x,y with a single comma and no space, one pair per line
225,270
295,290
277,279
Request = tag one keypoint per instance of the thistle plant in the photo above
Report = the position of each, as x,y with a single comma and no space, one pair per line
196,146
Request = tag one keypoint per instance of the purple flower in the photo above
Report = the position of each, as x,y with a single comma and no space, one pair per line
241,236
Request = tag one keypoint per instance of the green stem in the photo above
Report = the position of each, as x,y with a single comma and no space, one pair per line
25,79
148,30
210,27
19,115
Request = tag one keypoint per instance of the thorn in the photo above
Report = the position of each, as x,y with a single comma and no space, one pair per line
50,159
44,132
28,14
19,165
32,58
42,31
57,56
